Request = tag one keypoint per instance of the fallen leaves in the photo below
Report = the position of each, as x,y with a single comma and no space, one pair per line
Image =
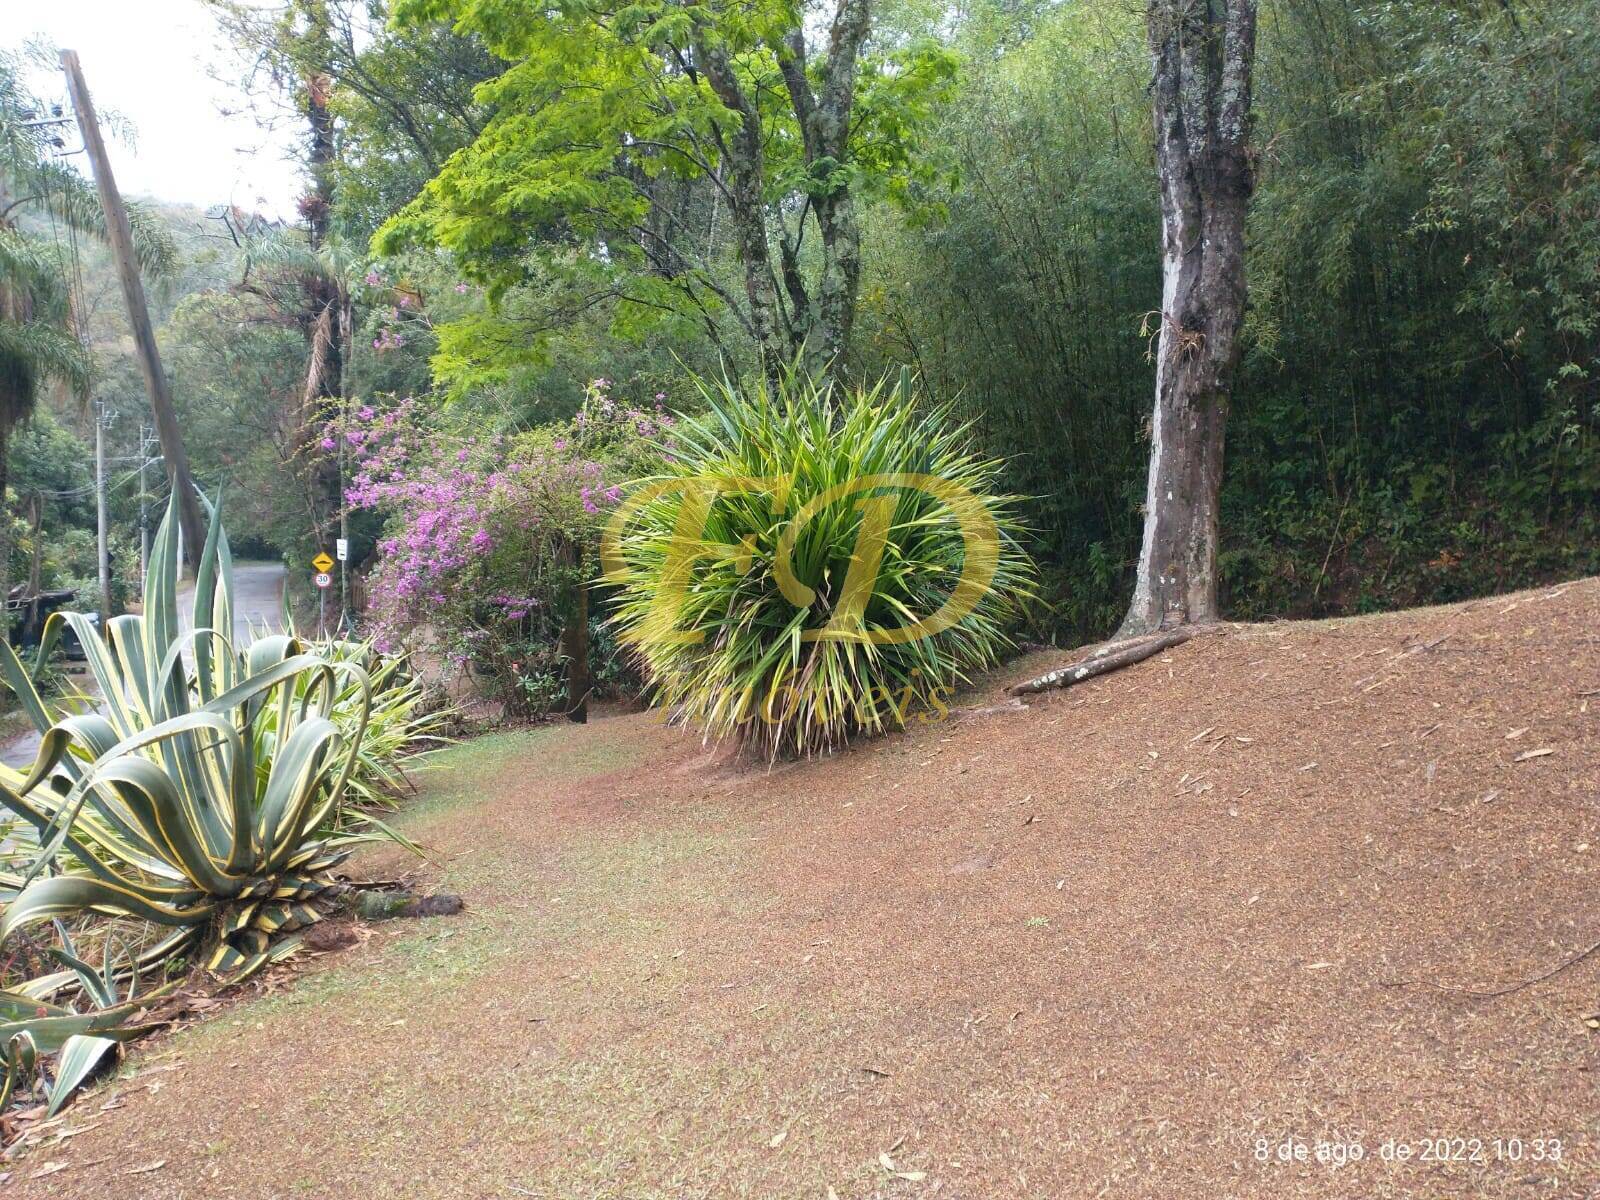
1544,752
888,1164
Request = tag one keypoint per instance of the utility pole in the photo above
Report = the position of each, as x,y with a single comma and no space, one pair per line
345,620
144,505
120,235
102,546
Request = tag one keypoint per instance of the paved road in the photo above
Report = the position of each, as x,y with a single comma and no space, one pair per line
257,600
257,604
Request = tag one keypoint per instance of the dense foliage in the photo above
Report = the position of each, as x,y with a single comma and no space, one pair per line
562,194
1416,418
815,564
490,544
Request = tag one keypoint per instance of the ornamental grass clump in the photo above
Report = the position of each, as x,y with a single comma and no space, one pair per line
815,564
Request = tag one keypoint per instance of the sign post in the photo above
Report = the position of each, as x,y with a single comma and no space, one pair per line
322,564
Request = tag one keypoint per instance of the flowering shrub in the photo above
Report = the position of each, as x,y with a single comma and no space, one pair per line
490,543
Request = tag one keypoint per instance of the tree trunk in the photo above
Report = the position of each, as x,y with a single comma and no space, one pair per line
36,555
325,299
824,116
1203,53
746,183
323,373
5,533
816,328
841,279
575,643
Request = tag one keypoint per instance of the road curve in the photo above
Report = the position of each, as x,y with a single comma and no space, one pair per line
257,606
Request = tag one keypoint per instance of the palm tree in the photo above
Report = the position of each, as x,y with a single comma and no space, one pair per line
315,280
38,344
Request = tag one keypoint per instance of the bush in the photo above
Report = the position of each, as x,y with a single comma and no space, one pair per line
734,566
489,544
405,722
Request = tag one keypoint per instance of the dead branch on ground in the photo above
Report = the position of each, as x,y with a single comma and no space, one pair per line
1112,657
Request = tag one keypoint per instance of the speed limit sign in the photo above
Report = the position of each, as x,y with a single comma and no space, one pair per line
324,579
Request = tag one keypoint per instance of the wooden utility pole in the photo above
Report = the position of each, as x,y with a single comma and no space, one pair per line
120,236
102,546
144,506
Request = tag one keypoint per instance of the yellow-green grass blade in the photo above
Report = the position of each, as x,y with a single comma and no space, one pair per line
15,1006
237,920
21,1056
287,811
21,683
213,608
50,1033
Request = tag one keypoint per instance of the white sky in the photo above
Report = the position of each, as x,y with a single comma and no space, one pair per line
147,60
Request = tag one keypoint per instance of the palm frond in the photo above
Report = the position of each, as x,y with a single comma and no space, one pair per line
30,353
72,199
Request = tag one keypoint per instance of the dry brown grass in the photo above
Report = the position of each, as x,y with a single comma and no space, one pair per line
1093,948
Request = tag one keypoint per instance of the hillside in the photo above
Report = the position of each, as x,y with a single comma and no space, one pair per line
1099,946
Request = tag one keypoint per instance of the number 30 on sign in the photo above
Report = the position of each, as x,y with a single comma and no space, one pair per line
324,579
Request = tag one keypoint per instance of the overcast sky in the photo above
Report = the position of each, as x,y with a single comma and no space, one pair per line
147,60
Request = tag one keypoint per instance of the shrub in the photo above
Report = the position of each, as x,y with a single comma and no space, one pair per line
735,565
490,543
180,806
406,721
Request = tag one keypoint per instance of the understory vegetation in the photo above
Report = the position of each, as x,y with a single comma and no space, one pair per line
814,564
1415,418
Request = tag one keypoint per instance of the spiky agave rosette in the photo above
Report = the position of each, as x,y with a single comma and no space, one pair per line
177,803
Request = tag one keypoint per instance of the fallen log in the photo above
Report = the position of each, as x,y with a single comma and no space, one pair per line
1105,661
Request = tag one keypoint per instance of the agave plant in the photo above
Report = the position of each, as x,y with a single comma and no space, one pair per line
177,804
32,1029
404,723
815,564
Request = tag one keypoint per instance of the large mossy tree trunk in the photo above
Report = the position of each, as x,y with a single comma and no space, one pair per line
745,186
824,115
1203,53
813,328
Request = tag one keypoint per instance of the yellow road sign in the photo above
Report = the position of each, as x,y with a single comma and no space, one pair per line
322,562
